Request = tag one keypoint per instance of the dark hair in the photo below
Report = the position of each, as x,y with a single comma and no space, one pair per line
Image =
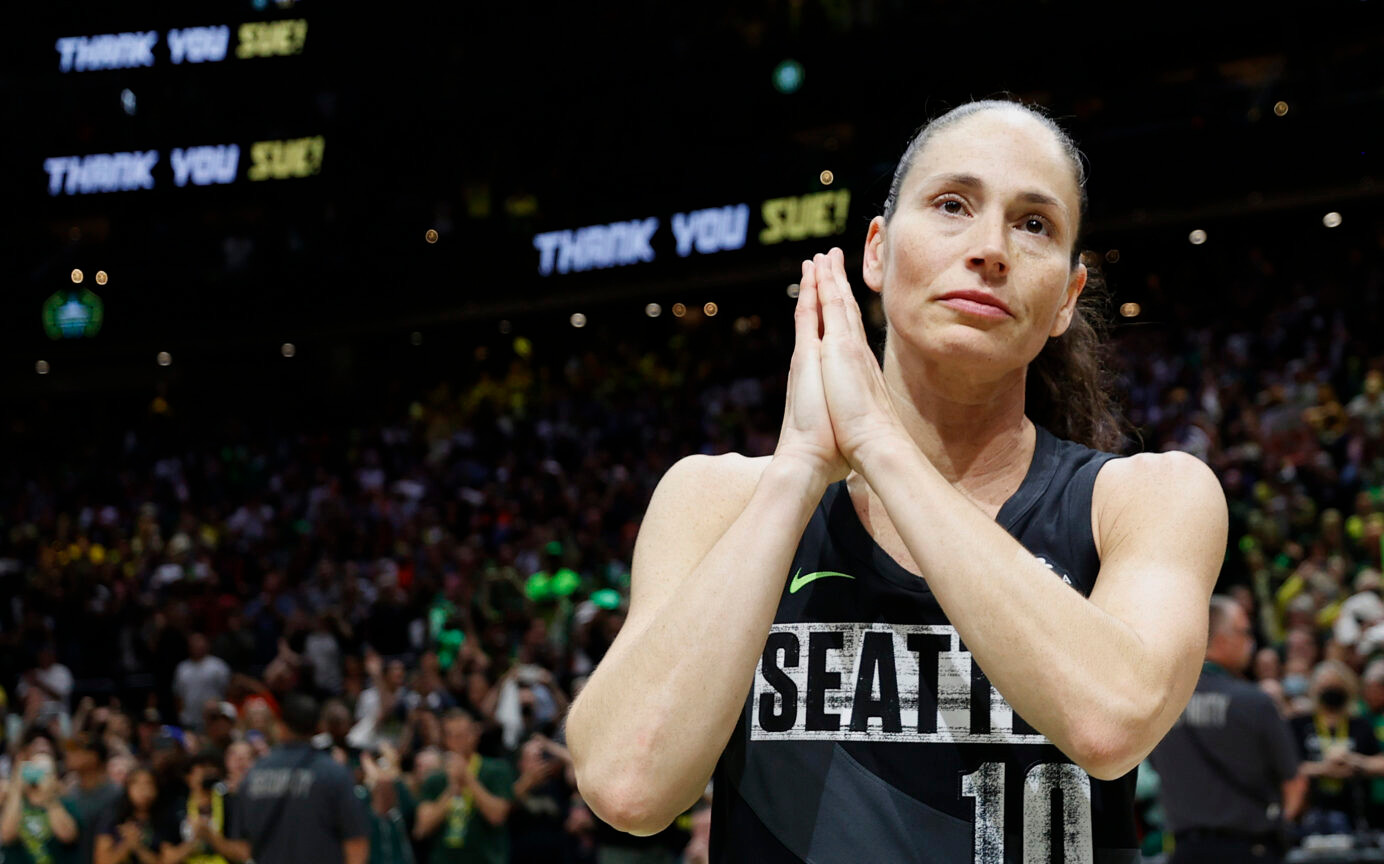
1069,385
299,714
124,807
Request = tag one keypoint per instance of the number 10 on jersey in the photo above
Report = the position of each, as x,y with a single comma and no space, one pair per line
1057,810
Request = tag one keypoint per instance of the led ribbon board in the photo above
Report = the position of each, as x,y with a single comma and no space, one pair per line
703,232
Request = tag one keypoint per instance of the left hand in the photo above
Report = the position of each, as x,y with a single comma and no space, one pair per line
862,413
202,829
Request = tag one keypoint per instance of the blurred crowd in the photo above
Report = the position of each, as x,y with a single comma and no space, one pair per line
442,580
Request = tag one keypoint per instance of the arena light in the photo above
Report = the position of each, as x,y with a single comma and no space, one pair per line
101,277
711,309
679,310
578,320
1280,108
165,359
1332,219
288,349
1197,237
430,235
653,310
77,277
793,290
1130,310
826,177
1113,256
788,76
41,367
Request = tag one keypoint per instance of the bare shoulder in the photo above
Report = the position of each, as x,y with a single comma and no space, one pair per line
694,504
710,482
1161,492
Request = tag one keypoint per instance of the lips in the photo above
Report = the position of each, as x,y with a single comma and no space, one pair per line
976,303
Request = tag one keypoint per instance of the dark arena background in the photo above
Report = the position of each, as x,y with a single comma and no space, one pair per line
346,343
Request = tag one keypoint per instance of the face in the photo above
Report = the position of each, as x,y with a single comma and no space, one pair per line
1239,636
989,208
239,757
458,735
141,788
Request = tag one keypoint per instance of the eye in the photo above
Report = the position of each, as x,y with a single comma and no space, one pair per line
952,206
1037,225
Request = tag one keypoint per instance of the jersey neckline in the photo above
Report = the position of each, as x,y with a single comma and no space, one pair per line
845,525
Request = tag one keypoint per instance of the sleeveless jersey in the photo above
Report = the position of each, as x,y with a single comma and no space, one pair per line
870,735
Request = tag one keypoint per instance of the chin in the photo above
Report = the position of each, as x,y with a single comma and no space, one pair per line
958,343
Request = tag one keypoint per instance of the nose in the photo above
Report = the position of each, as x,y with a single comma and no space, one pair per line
989,257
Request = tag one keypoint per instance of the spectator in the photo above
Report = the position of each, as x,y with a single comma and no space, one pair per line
298,806
93,795
199,678
1336,749
127,835
218,726
37,826
200,827
49,682
542,798
390,805
1228,768
381,709
463,808
239,758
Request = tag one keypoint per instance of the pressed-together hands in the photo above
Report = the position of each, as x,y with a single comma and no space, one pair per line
838,405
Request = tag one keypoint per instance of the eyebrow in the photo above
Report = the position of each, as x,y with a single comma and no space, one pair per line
1029,196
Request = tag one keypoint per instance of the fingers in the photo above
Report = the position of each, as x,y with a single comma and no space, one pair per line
840,313
807,317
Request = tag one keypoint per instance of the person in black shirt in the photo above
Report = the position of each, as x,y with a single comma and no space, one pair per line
542,798
128,834
941,603
297,805
197,828
1229,766
1339,751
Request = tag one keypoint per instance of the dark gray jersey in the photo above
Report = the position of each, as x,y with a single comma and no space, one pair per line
870,733
1223,763
319,807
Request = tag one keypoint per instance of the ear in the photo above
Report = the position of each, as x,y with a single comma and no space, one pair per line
1075,283
872,269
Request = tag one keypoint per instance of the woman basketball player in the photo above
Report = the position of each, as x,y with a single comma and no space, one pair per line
939,624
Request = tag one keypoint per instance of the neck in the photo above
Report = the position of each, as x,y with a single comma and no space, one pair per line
91,779
1222,662
971,428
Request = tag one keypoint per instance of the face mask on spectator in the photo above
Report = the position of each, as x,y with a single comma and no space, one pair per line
1333,697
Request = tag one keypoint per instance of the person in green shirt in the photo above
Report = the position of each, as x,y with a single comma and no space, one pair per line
463,808
36,825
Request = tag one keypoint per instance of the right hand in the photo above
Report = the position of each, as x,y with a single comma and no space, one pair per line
806,436
130,834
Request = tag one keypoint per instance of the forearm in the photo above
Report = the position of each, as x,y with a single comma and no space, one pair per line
1294,797
232,850
356,850
146,855
9,821
648,727
1076,673
110,852
429,817
494,808
64,827
171,854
